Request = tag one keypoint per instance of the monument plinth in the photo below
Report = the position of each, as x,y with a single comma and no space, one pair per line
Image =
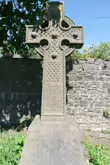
52,138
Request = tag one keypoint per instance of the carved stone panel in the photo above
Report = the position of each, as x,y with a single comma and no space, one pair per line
54,38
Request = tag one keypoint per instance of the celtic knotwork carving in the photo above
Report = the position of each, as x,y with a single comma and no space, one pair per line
54,37
65,29
55,72
53,99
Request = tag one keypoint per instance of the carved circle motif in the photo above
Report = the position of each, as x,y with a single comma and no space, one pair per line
58,38
64,25
64,44
44,43
45,25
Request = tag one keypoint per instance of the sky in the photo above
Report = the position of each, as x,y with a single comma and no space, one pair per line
94,15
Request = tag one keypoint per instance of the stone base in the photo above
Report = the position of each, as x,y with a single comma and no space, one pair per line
52,143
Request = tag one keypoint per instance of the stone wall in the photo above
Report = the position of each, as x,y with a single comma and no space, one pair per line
89,93
20,90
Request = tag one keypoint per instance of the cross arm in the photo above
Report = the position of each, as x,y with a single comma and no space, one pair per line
31,35
75,36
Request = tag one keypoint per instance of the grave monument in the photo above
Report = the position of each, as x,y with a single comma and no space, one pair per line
53,138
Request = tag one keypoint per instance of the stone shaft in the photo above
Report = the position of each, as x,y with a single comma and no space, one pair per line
53,99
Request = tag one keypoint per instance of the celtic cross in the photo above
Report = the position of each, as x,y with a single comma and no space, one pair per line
54,38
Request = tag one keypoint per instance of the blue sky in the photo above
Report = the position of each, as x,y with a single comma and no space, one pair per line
94,15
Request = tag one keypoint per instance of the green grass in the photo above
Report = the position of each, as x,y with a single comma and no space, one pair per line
99,154
11,146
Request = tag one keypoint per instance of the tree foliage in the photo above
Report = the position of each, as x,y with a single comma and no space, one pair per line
15,14
101,51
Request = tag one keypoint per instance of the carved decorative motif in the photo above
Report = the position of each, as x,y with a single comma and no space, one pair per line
54,72
54,38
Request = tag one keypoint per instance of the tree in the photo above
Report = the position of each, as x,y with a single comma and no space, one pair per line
15,14
101,51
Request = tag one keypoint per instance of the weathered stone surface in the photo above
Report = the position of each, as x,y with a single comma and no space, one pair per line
88,98
55,139
53,143
55,38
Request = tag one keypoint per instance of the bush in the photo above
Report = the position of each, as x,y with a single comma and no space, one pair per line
11,149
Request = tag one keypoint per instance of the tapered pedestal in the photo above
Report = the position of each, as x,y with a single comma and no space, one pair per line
53,143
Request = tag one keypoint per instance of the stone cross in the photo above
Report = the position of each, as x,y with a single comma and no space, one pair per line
49,143
54,37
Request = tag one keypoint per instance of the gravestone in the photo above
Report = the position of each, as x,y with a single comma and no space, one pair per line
54,39
53,139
